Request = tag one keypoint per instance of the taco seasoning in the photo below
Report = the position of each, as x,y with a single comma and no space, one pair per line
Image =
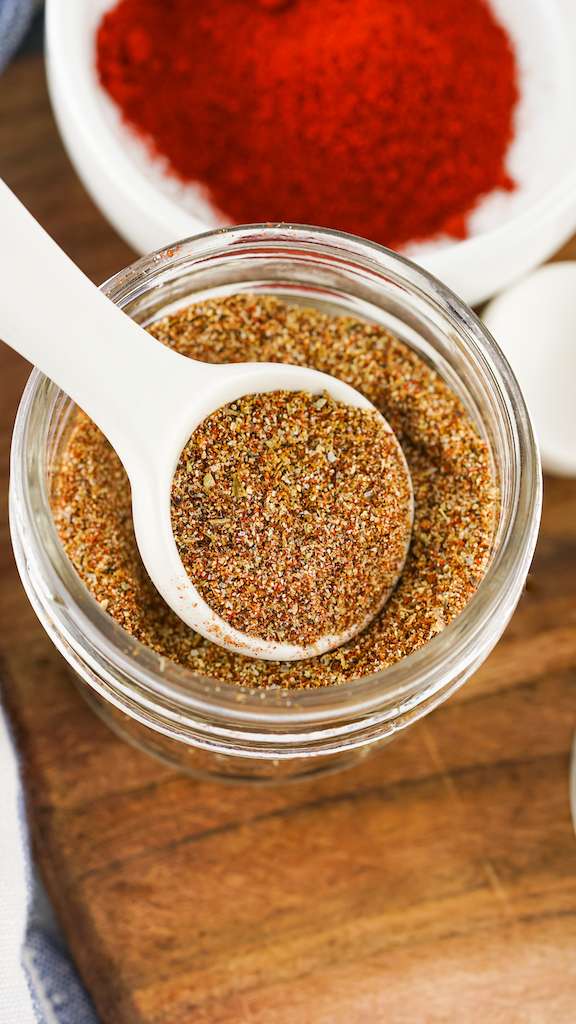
455,497
292,515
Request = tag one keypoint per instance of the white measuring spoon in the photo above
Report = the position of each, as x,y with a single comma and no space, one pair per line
146,398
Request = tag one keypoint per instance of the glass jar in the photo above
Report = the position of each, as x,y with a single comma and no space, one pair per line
227,731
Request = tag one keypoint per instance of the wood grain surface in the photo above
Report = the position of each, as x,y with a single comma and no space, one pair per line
436,882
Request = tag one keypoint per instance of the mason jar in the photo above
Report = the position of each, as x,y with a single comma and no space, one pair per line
227,731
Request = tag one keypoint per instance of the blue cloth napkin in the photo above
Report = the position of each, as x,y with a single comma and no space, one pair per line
15,17
38,983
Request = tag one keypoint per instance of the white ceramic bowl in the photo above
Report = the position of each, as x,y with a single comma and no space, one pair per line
510,234
534,322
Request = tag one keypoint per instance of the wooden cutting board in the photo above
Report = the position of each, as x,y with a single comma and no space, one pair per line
435,882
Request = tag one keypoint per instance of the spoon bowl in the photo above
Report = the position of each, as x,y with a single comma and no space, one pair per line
151,481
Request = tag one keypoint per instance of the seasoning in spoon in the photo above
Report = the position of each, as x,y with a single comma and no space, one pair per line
292,515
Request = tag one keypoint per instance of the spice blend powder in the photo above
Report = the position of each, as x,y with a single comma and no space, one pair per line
454,491
292,514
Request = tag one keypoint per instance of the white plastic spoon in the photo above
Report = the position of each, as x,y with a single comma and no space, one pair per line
146,398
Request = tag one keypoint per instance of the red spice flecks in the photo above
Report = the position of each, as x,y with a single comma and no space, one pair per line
274,5
388,118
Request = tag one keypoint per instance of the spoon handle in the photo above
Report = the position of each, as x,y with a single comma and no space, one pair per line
55,317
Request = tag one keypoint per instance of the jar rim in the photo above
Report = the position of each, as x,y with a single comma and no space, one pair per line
137,678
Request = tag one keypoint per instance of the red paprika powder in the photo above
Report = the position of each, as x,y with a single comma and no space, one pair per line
387,118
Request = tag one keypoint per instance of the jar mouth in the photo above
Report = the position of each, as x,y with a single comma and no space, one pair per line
138,680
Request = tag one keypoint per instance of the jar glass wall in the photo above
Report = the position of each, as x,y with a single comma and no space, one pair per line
226,730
